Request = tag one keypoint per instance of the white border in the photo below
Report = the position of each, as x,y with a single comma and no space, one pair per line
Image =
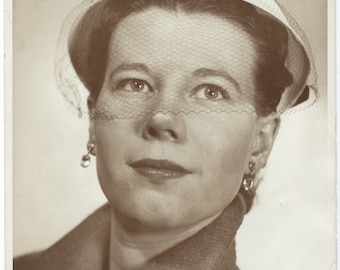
6,19
336,39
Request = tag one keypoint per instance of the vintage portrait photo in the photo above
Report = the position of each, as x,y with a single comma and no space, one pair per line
173,134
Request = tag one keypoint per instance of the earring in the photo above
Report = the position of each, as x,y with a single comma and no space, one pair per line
86,159
248,179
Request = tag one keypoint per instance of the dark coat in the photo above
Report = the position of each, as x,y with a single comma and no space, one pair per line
87,246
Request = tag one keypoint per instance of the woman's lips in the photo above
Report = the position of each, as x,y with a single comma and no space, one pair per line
158,170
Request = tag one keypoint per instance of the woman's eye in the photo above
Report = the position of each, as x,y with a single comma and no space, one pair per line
211,92
134,85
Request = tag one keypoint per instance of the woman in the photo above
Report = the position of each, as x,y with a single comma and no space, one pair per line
185,99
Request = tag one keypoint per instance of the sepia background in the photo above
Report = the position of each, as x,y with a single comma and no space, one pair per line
292,225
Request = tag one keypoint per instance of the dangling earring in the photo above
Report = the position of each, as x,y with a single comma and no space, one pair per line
248,179
86,159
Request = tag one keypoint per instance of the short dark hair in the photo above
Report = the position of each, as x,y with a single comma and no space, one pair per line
270,39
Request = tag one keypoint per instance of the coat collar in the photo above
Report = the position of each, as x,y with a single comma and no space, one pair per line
87,246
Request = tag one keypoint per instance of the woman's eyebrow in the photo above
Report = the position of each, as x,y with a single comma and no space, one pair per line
204,72
130,67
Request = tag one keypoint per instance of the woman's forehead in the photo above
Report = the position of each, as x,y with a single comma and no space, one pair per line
158,37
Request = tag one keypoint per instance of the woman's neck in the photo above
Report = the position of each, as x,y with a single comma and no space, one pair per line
131,249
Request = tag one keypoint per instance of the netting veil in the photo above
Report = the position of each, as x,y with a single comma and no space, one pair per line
133,95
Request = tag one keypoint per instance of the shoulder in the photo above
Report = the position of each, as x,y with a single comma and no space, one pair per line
25,262
85,247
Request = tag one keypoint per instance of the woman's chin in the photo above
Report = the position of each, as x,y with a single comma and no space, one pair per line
150,210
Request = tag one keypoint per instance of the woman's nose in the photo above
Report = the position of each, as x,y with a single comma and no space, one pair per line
165,127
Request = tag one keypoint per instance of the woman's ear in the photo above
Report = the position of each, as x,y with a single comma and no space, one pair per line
265,135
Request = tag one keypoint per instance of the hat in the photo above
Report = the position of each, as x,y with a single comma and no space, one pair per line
86,19
299,59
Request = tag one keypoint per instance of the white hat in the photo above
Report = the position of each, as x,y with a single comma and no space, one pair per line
300,94
299,59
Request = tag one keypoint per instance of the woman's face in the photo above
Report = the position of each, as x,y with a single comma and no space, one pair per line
167,169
